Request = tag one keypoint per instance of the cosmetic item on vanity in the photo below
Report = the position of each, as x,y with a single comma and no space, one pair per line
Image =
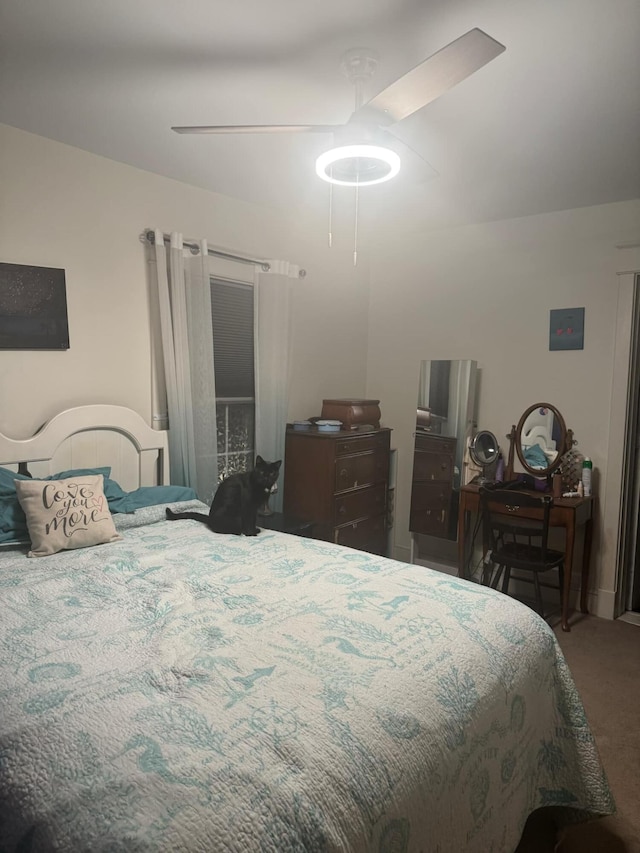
587,466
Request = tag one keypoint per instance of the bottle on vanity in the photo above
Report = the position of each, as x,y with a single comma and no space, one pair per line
587,469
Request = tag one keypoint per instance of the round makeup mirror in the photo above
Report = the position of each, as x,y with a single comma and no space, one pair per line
541,439
484,450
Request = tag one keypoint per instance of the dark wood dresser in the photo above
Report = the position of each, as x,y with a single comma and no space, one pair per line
432,486
339,481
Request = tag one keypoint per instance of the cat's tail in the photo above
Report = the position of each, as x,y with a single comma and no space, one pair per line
196,516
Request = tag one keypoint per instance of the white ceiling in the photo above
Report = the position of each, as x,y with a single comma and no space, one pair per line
552,123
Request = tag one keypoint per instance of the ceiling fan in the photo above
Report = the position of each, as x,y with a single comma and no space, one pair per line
362,154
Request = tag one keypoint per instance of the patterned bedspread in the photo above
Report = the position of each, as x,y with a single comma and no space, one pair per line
181,690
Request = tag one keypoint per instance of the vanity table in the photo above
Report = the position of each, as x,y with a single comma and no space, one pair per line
540,441
569,513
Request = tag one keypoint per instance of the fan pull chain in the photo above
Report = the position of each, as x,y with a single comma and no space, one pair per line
331,212
355,229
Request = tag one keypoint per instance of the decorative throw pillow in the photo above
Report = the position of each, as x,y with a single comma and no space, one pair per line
13,524
66,514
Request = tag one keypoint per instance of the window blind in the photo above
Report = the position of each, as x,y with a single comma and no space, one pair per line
232,316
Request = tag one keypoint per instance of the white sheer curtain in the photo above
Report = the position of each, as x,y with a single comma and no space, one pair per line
273,297
181,301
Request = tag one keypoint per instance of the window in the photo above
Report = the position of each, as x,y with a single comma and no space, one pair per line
233,353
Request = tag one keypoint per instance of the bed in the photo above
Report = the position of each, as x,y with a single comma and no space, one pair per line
180,690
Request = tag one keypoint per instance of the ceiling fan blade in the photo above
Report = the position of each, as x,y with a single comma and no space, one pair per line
259,128
436,75
421,168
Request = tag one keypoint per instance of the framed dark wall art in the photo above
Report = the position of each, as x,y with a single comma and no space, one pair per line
33,308
566,328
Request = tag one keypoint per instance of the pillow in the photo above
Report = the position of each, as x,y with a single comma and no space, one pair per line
66,514
154,495
536,457
13,524
112,490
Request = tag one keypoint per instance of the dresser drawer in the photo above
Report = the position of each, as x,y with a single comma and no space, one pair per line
432,466
435,443
430,508
362,443
360,504
368,535
338,482
363,469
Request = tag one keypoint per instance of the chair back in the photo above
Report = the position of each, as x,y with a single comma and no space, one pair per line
504,523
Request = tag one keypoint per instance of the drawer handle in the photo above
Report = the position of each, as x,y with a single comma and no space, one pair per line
342,509
344,472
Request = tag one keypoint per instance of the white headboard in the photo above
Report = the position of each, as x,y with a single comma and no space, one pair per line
90,437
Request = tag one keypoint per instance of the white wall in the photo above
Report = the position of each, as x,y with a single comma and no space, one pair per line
484,292
62,207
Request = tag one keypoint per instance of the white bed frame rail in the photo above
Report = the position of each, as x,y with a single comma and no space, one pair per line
90,437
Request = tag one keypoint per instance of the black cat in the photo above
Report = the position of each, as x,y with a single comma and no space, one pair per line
236,502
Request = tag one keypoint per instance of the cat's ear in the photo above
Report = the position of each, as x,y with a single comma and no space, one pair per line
259,460
278,464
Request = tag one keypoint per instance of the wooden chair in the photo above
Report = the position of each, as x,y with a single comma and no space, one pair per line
519,543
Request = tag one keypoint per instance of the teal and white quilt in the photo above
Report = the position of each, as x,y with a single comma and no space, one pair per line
181,690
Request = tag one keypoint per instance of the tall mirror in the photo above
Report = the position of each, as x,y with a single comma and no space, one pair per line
445,416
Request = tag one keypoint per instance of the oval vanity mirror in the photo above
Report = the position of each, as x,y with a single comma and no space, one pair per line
541,439
484,450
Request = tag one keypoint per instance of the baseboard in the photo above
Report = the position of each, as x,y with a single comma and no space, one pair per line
602,603
445,568
631,617
401,553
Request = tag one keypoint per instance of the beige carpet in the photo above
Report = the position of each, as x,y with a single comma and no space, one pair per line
604,657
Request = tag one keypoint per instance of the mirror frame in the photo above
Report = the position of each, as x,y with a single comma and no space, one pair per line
473,452
541,472
444,423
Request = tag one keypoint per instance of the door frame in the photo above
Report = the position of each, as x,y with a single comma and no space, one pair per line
621,498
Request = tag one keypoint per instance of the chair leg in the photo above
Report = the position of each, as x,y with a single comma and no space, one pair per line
561,582
536,585
496,577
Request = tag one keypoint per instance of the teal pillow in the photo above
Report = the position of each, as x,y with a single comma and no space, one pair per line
536,457
13,524
153,495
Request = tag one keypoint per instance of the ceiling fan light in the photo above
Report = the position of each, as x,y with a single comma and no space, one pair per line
358,165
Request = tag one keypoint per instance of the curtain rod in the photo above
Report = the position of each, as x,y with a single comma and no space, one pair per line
149,237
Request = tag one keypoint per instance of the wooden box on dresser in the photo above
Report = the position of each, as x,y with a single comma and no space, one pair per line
339,481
